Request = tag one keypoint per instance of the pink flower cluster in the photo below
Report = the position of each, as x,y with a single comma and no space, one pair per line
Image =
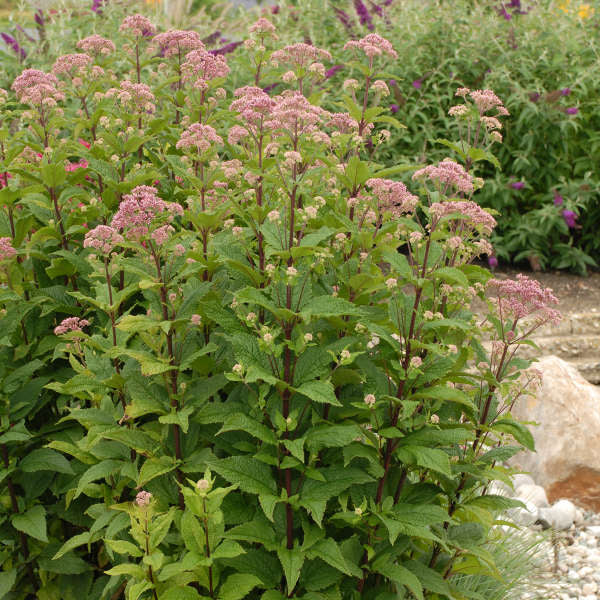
139,210
96,44
262,26
294,113
71,64
70,324
486,100
82,164
201,66
470,213
447,173
103,239
143,498
37,88
6,249
175,42
343,122
300,55
524,297
393,196
138,97
252,104
372,45
137,25
198,136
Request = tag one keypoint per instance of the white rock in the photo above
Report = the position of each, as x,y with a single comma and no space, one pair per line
500,488
579,517
522,479
589,588
523,516
567,434
573,575
534,494
559,516
594,530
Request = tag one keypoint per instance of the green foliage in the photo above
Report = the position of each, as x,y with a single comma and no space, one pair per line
239,362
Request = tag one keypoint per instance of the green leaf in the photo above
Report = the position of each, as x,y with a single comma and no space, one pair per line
429,458
7,580
319,391
45,459
328,551
520,432
74,542
98,471
402,576
328,306
291,561
249,474
237,586
130,569
181,593
154,467
242,422
123,547
449,394
32,522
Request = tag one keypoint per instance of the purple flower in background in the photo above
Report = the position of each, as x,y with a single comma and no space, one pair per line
376,8
565,91
270,88
534,97
517,185
12,43
572,110
212,38
97,6
492,262
570,218
417,84
345,19
31,39
558,199
363,14
39,18
331,72
503,12
387,2
228,48
394,108
275,9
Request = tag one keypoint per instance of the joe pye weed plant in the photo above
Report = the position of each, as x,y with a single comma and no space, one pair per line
238,356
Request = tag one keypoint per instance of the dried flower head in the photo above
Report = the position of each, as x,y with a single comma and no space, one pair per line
138,26
70,324
95,45
143,498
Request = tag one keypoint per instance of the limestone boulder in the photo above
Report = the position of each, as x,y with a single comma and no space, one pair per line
566,411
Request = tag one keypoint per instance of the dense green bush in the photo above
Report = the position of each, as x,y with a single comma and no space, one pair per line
238,359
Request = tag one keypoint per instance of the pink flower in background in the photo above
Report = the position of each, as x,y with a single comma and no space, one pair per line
372,45
300,55
262,26
524,297
448,173
201,66
572,110
71,64
467,211
95,45
143,498
137,25
35,87
200,137
82,164
6,249
70,324
417,84
517,185
137,97
558,199
486,100
393,196
175,42
103,239
139,210
4,177
492,262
